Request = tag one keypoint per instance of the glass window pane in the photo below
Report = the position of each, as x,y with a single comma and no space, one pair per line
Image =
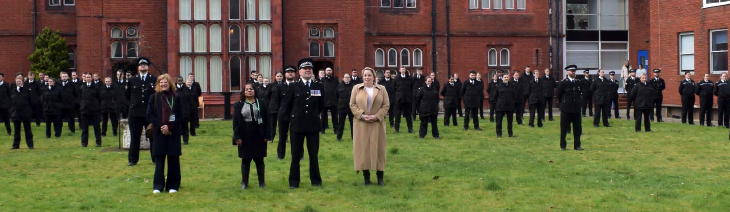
613,22
404,57
613,7
576,22
509,4
186,38
235,68
384,3
379,58
116,50
250,9
131,50
251,64
581,46
215,38
265,66
186,66
185,9
234,9
486,4
201,72
719,41
614,46
492,57
417,57
216,74
314,49
200,9
687,45
411,3
329,32
234,39
392,58
265,38
329,50
473,4
613,60
719,61
398,3
521,4
250,38
131,32
504,57
497,4
583,59
215,9
688,62
116,32
200,38
264,10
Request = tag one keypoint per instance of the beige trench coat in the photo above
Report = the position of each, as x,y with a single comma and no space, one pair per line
368,143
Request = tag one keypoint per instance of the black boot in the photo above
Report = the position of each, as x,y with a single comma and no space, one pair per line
261,171
245,169
366,175
380,178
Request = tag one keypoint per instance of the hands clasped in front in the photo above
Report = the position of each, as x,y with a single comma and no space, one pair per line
369,118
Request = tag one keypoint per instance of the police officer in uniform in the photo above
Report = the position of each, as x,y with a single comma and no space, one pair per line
687,91
505,97
284,113
631,81
569,95
389,85
344,92
536,95
491,89
69,92
721,91
549,92
141,87
109,104
21,112
121,85
34,86
643,95
5,92
587,94
403,95
519,86
90,107
451,97
704,89
658,84
613,93
470,93
601,98
305,100
427,100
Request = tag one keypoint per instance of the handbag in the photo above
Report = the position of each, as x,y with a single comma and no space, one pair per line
148,132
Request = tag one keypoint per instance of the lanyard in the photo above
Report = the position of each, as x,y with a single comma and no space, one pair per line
168,101
255,106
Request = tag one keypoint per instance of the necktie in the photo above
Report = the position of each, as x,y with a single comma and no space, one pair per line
307,83
535,80
64,83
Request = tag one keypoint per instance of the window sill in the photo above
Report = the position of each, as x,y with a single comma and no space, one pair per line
61,9
705,5
399,10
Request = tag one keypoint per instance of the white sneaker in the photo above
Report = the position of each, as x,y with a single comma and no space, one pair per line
173,191
156,191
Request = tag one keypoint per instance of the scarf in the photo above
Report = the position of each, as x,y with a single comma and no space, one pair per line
167,98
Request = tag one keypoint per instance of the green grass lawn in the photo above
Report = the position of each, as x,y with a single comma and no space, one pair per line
675,168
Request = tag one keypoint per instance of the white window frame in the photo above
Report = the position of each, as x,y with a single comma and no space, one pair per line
501,60
509,6
708,5
57,4
524,4
390,3
332,51
420,57
122,46
382,59
488,4
496,57
229,10
474,4
72,4
325,32
126,32
712,59
680,49
123,33
396,57
408,54
415,4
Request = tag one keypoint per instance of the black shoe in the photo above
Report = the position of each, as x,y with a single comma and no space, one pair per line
533,126
437,137
103,135
317,184
638,131
466,129
410,130
293,187
396,130
302,158
30,147
131,164
326,127
710,125
691,123
491,120
478,129
339,139
15,148
98,145
628,117
186,143
244,186
446,125
539,126
499,135
421,137
193,134
280,158
262,185
115,134
83,145
584,115
322,132
47,137
608,125
579,149
649,131
562,148
511,136
595,125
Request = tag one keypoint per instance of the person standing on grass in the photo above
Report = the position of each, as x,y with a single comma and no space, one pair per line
458,84
387,82
418,81
536,93
643,95
197,91
121,85
505,97
451,100
586,93
403,96
470,92
330,82
34,86
284,113
550,86
427,102
110,106
659,86
344,91
251,133
481,94
687,91
519,87
51,108
141,87
184,91
600,89
613,94
569,96
369,103
722,91
165,113
69,92
273,104
21,112
704,90
90,107
5,100
629,84
491,90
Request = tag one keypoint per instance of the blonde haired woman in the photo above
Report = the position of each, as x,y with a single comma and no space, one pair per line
165,113
369,103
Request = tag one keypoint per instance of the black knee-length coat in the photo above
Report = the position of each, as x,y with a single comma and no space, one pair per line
251,134
165,144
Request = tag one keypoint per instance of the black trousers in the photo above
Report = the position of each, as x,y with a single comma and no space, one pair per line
125,111
586,102
614,103
481,109
450,114
68,114
519,112
173,173
190,120
722,112
342,116
186,131
136,126
492,106
105,116
55,121
566,119
5,117
646,113
658,108
471,112
333,113
602,111
540,109
27,130
93,120
425,120
38,113
549,102
628,109
461,114
706,110
246,169
273,117
500,116
283,135
688,106
194,121
391,110
403,109
297,146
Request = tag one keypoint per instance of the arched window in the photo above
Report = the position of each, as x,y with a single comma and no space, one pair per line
131,32
264,10
235,68
200,38
216,74
314,32
215,38
265,66
405,59
392,58
250,9
379,58
215,9
131,50
201,72
185,9
234,9
264,38
186,66
504,57
314,49
329,49
186,38
417,58
329,32
492,60
200,10
234,39
117,50
250,38
116,32
251,64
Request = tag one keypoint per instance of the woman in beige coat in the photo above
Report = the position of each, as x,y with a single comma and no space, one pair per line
369,103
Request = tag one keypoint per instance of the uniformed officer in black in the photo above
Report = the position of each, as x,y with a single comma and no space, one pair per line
457,81
505,97
355,79
121,85
194,119
658,85
586,95
51,99
520,89
470,93
330,82
427,102
344,92
704,90
631,81
536,95
613,93
403,95
722,91
389,85
141,87
109,106
5,92
491,89
90,107
304,99
21,112
601,98
34,86
549,92
480,82
643,94
418,81
569,95
69,93
687,91
284,113
451,95
527,76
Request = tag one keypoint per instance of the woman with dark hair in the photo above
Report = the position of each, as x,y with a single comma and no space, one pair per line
427,102
165,114
643,95
251,132
51,108
369,103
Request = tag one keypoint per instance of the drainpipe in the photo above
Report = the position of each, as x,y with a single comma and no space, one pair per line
433,34
448,37
283,47
35,21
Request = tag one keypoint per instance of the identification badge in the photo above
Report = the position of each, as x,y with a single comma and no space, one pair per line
261,121
172,118
316,93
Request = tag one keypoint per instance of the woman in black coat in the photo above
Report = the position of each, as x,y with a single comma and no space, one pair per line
505,97
52,108
643,95
188,98
451,93
109,106
427,102
165,113
251,133
491,90
344,91
21,112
